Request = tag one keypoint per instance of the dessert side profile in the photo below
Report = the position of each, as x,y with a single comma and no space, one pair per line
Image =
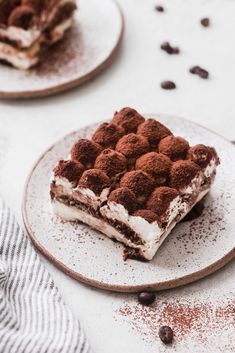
133,181
29,27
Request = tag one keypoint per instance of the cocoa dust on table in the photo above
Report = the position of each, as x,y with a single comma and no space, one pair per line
201,321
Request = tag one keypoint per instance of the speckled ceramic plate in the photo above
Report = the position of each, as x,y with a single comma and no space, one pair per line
86,49
193,250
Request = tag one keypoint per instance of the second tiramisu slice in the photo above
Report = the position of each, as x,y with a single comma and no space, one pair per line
29,27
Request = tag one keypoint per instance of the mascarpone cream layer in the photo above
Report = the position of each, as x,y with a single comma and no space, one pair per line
21,37
151,234
83,195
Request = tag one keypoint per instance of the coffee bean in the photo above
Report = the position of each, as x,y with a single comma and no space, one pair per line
169,49
146,298
159,8
168,85
205,22
166,334
197,70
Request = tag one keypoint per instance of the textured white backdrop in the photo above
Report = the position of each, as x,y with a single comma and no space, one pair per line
28,127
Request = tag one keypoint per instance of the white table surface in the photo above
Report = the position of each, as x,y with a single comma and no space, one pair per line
27,128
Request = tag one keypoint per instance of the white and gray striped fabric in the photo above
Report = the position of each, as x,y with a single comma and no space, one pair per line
33,316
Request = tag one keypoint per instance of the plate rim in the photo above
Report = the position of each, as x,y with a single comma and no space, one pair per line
63,87
156,286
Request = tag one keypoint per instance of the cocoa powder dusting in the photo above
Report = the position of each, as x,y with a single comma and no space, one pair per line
60,59
197,321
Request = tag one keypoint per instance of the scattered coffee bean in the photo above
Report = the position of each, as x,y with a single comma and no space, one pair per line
197,70
195,212
205,22
159,8
146,298
166,334
168,85
169,49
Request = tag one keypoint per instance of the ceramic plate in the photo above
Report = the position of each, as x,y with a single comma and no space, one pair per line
192,250
86,49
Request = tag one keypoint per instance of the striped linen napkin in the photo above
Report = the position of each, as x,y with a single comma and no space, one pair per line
33,316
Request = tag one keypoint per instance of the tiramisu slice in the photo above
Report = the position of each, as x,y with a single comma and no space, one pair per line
133,181
29,27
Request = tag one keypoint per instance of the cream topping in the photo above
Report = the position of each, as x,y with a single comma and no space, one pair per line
84,195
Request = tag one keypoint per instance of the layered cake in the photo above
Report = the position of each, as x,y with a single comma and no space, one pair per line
133,181
29,27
